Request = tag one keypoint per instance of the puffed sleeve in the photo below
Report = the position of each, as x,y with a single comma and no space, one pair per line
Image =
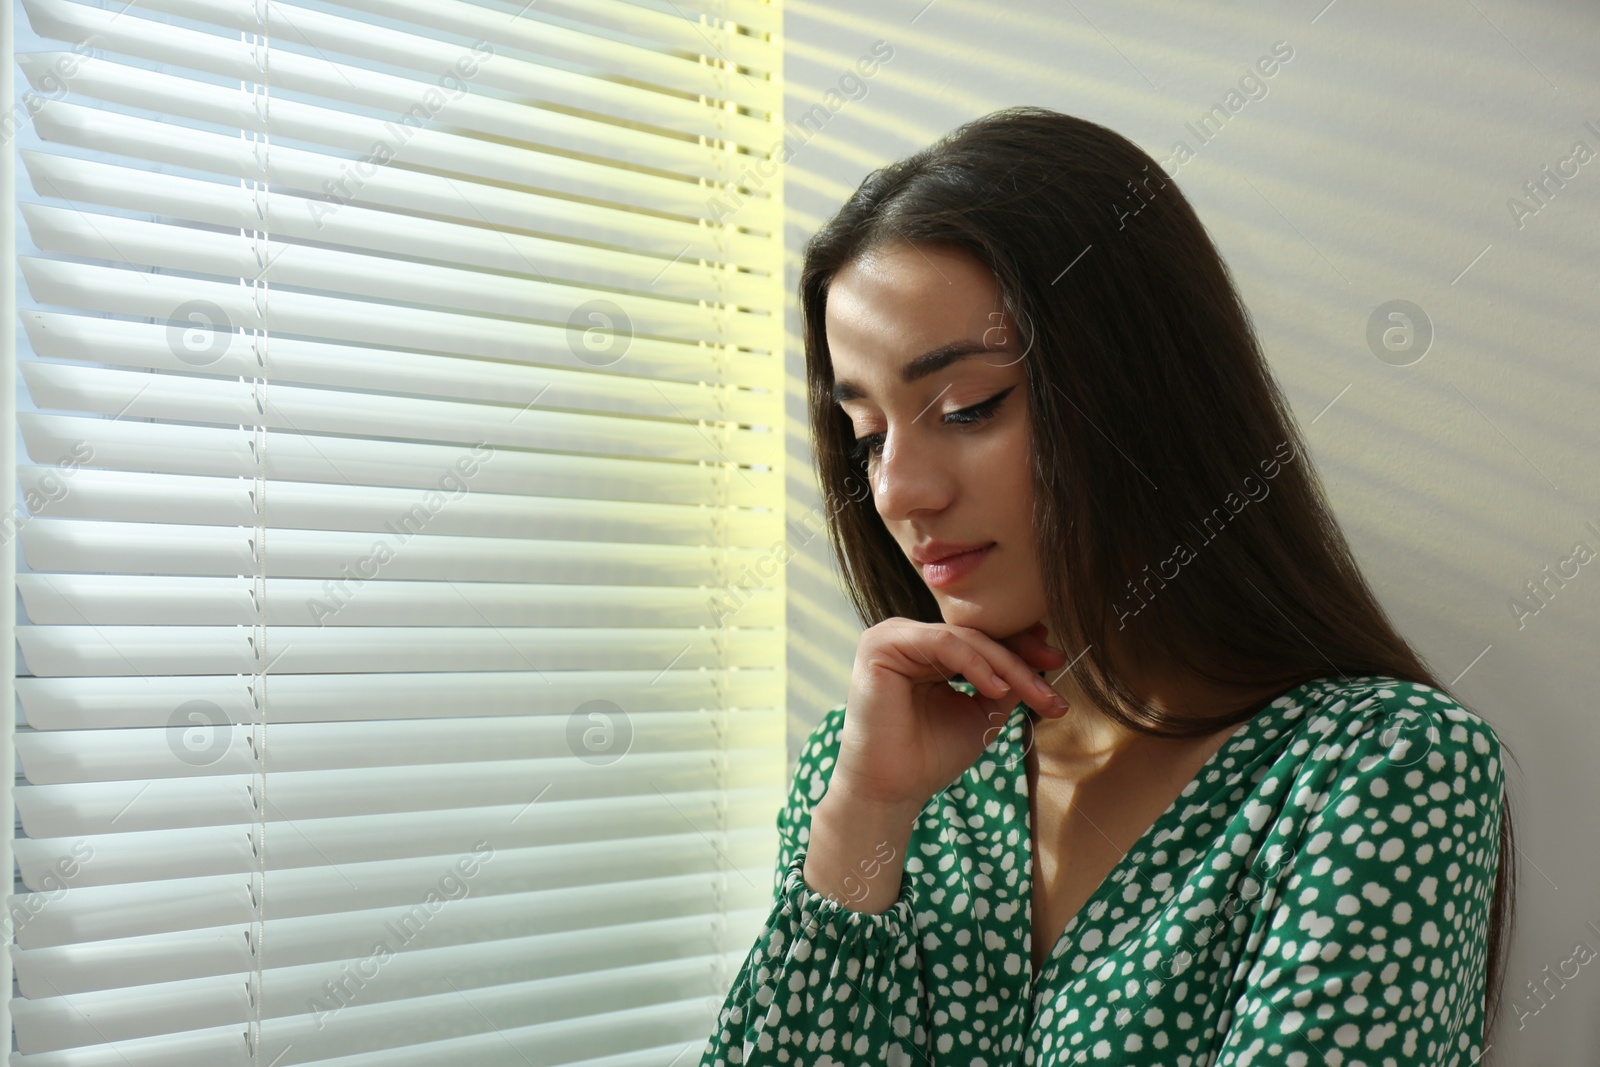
823,984
1375,951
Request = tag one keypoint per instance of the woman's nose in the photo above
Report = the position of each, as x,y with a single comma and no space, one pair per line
907,480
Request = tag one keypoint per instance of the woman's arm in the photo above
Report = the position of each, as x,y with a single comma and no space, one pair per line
1375,951
836,970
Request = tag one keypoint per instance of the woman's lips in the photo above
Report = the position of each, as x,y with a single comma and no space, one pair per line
953,569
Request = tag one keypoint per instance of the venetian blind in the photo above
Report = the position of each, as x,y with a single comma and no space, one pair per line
398,393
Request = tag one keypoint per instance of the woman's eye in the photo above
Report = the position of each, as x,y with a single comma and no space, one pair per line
979,412
868,445
872,444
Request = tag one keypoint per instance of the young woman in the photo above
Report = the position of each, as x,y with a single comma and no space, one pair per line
1133,767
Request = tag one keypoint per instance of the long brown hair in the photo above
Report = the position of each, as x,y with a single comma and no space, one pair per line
1152,414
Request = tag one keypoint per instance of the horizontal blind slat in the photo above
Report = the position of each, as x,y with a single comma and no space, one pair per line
421,146
316,809
518,1011
466,60
145,447
411,974
182,499
147,959
214,898
117,599
477,430
182,346
169,298
652,64
184,749
132,701
354,275
350,560
102,650
435,195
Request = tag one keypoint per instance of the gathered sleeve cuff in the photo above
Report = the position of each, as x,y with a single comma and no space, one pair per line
826,984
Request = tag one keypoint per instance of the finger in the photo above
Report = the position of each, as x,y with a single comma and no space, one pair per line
929,652
1011,668
976,668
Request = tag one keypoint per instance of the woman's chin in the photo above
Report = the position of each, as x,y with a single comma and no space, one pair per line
987,611
975,611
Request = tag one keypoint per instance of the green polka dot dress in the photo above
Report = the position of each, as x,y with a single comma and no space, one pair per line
1319,894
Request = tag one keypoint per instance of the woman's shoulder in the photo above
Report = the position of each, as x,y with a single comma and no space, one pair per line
1339,714
1353,743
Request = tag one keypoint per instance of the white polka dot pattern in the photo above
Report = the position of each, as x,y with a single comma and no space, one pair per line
1318,894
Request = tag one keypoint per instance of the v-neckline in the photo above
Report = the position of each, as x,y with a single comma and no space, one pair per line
1229,745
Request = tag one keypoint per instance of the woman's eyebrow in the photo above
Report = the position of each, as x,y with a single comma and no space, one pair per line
931,362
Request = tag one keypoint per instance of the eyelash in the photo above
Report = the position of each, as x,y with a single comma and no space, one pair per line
977,413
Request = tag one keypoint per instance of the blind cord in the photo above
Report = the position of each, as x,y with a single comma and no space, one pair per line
261,293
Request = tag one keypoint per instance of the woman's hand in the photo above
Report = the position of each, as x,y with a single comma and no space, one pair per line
907,733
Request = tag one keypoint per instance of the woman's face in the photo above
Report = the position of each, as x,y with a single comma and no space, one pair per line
939,472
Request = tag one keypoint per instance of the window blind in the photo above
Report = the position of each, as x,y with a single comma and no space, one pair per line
399,654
